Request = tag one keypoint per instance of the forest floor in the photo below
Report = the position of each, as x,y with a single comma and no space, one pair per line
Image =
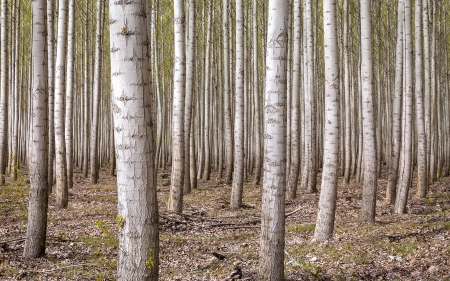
82,243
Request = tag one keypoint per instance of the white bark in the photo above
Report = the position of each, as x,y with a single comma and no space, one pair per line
422,175
295,104
404,180
38,199
190,76
62,193
96,96
271,255
51,91
238,175
226,95
136,176
69,93
396,110
3,92
368,114
328,193
178,138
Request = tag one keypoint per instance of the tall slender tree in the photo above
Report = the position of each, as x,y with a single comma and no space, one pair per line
62,192
38,200
138,253
422,174
295,103
404,180
238,175
396,109
51,90
369,142
3,91
271,255
328,192
226,94
178,138
96,96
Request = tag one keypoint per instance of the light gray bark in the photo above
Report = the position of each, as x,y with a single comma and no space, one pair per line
178,138
96,96
422,174
238,175
3,92
226,95
396,110
70,93
62,192
38,200
295,104
404,180
368,114
271,255
190,79
328,192
138,253
51,91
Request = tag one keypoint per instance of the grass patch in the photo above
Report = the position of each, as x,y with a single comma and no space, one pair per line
301,228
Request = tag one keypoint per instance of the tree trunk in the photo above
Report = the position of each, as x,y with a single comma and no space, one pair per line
178,138
295,105
62,192
369,142
422,175
271,255
328,193
238,175
69,93
38,199
3,92
226,95
51,91
404,180
396,110
138,254
95,166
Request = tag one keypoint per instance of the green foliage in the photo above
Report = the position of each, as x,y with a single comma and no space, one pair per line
150,262
102,226
302,228
120,222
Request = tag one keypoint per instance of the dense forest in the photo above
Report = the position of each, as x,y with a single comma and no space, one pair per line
306,134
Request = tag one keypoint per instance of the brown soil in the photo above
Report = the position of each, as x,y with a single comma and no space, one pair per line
82,242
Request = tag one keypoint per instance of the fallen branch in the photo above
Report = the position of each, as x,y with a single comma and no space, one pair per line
17,240
291,259
58,268
293,212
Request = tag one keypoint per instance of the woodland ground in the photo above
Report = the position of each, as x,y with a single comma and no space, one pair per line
82,242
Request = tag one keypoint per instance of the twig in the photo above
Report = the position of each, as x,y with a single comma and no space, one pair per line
171,218
293,212
13,240
291,259
59,268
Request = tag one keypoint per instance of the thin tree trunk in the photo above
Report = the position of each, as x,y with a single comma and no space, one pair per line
328,193
369,142
396,110
3,92
271,255
38,200
226,95
178,137
62,192
238,175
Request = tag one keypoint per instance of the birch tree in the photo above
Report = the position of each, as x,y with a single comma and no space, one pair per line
51,91
62,192
178,138
138,251
38,200
271,255
368,114
328,193
238,175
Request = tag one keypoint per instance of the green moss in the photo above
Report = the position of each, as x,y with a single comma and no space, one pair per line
150,262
